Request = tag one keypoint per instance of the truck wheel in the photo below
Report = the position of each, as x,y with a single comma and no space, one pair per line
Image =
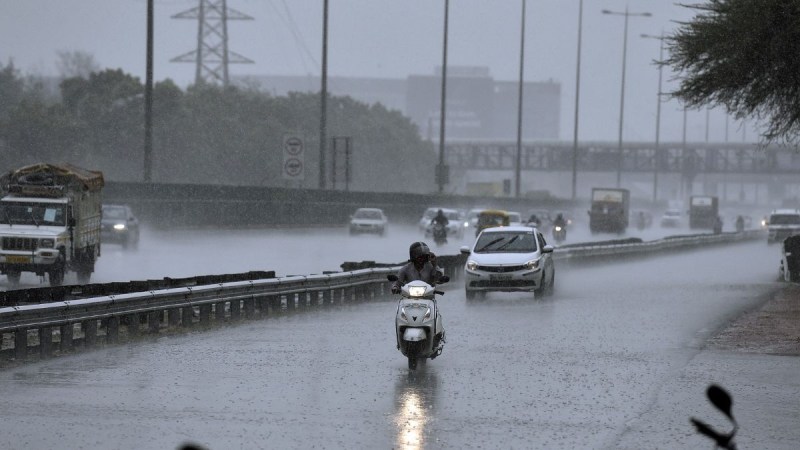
13,277
84,275
57,274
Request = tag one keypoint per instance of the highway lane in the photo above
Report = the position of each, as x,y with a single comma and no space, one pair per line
585,369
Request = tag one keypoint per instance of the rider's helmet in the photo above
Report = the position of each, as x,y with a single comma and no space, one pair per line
419,251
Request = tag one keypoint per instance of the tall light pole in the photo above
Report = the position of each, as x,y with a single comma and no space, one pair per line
625,14
658,111
323,101
577,103
518,172
440,172
148,99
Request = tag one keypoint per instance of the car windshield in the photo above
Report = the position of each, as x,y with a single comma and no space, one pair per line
367,214
785,219
32,214
672,213
506,242
114,213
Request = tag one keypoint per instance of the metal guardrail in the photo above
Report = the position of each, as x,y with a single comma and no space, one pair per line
40,328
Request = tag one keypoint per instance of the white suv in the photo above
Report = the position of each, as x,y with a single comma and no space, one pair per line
783,223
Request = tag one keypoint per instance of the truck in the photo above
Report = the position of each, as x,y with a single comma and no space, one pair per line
703,211
50,222
609,210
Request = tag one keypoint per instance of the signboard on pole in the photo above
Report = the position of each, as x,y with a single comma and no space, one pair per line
294,165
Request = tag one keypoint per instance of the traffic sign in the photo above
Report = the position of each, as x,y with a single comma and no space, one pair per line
293,158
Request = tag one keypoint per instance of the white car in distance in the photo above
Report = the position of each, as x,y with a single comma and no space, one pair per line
368,220
455,222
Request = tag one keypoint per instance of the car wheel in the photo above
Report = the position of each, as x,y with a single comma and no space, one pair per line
550,288
470,294
540,291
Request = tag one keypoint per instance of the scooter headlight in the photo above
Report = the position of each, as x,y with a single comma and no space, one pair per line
472,265
427,314
532,264
558,228
416,291
403,314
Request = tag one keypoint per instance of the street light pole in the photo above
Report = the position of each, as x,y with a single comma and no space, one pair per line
323,101
577,103
658,112
440,173
518,172
626,14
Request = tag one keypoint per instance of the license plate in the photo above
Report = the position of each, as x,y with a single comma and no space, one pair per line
14,259
499,277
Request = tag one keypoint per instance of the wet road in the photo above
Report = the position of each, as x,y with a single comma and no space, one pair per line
614,360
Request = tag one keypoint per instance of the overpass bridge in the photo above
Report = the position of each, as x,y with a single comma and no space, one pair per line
735,171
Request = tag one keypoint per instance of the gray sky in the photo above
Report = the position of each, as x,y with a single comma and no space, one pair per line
392,39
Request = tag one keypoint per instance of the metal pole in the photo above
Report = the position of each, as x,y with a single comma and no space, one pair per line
225,43
658,119
148,99
333,163
622,99
519,103
440,177
577,103
683,154
323,97
347,164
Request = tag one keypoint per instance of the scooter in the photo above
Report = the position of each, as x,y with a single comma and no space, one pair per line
559,233
418,323
439,234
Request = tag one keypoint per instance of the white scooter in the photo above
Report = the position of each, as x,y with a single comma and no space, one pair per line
418,321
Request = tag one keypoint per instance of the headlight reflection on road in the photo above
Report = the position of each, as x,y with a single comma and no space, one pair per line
411,420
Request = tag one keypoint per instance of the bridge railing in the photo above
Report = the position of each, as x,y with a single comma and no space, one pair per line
62,326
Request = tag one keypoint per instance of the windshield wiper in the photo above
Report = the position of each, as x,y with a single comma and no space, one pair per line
35,222
8,217
489,244
507,243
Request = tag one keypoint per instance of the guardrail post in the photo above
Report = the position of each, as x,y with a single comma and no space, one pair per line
236,309
302,300
174,316
154,321
45,342
219,311
21,343
290,304
112,329
263,306
349,294
133,324
249,307
327,298
89,328
186,316
205,314
275,305
66,337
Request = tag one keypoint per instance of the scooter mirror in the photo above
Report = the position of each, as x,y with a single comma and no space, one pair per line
443,279
391,277
721,399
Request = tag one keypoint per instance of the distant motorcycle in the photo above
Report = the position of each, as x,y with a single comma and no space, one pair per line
559,233
418,322
439,234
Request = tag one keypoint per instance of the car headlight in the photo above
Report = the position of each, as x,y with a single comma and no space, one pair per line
416,291
472,265
532,265
46,243
119,226
466,224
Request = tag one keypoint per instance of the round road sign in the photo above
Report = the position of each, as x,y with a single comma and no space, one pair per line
293,167
294,145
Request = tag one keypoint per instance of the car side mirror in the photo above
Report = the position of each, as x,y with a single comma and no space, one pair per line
443,279
547,249
465,250
391,277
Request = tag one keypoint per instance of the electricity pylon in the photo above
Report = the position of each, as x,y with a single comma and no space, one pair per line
212,55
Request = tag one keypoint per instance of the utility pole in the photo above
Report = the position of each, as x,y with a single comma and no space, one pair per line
518,172
148,99
323,101
658,112
577,103
441,175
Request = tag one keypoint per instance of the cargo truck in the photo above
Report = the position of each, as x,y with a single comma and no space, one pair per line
609,211
50,221
703,211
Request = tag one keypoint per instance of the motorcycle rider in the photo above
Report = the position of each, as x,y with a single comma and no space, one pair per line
441,219
740,224
559,221
421,266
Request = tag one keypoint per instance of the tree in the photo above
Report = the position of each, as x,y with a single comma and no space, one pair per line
78,64
743,55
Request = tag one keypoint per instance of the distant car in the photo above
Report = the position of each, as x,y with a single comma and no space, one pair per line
119,225
455,222
783,223
509,259
514,219
472,217
672,218
368,220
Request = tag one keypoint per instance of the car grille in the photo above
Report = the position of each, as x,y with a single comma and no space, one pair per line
503,283
16,243
500,269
